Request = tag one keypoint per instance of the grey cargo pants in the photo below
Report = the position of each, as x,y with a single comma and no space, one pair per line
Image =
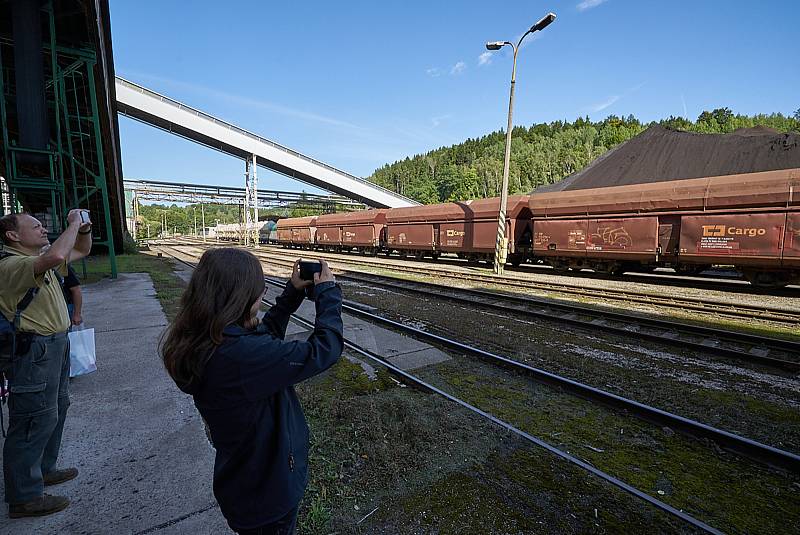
39,385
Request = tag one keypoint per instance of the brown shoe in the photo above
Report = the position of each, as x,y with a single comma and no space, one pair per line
59,476
46,505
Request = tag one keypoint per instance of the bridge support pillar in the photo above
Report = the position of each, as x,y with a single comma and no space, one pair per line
245,219
254,199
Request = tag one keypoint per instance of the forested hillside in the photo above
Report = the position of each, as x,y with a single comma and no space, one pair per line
540,154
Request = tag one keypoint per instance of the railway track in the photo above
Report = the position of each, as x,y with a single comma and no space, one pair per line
711,281
711,308
413,380
757,451
741,445
773,352
751,348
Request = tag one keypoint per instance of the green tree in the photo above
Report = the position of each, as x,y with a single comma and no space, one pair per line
541,154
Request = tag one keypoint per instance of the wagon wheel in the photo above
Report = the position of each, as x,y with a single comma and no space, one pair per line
767,279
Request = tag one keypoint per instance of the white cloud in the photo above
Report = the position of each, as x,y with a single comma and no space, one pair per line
485,58
589,4
458,68
246,102
436,121
433,72
605,104
610,101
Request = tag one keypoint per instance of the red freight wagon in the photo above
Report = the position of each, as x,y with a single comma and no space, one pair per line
355,229
468,228
283,235
410,236
296,231
747,220
570,241
743,239
624,239
554,237
329,233
791,241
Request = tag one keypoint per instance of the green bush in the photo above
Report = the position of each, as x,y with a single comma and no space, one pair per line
129,245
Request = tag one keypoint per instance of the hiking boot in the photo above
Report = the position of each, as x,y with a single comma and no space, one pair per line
46,505
59,476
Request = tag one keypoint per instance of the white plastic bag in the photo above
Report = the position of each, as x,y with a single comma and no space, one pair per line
81,352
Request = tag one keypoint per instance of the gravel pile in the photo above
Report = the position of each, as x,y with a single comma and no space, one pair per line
659,154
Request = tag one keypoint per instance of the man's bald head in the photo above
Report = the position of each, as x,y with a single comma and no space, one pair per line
23,231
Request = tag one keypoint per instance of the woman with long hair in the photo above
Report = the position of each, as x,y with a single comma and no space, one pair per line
240,373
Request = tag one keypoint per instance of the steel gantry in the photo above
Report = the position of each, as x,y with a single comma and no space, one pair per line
250,196
53,138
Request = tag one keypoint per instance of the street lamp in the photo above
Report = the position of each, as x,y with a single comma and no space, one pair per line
501,245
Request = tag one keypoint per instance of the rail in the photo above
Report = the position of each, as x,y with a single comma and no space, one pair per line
414,380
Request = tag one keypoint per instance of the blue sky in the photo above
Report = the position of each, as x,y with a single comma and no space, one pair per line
358,84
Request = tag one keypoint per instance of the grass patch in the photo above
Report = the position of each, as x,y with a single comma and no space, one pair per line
728,492
421,464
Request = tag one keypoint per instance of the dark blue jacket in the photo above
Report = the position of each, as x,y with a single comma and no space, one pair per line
255,419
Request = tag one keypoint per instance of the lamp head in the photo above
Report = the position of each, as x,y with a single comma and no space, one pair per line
543,23
494,45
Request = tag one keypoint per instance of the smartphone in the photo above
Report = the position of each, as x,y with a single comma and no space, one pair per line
308,268
85,216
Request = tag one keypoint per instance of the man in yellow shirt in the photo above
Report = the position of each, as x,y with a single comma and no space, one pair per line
39,371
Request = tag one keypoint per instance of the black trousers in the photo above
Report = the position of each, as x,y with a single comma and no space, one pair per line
283,526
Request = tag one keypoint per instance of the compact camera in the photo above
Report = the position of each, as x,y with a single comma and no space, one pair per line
308,268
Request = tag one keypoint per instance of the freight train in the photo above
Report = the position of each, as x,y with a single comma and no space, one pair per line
750,221
235,231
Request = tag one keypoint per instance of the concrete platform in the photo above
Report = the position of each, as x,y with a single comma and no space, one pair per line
145,464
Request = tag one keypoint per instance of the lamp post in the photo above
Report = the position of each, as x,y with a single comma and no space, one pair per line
501,245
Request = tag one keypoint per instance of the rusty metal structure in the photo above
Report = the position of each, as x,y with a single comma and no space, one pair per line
60,136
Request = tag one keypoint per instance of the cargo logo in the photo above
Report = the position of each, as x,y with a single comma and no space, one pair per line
713,231
348,234
455,233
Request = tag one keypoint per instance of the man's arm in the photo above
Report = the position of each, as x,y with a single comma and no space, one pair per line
77,305
62,249
83,245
